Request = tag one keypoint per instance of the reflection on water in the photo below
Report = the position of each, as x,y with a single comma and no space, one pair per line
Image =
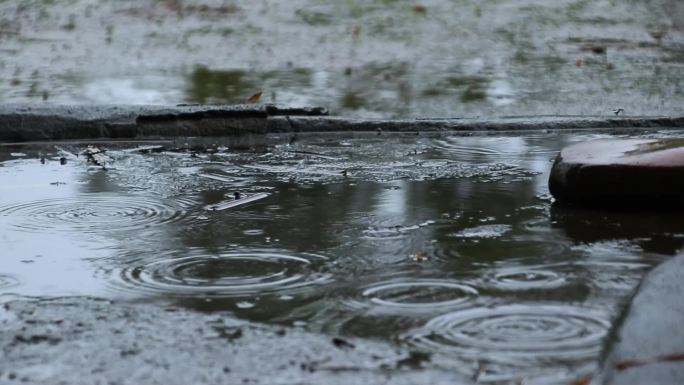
448,244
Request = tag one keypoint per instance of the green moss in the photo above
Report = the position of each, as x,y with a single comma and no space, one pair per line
314,18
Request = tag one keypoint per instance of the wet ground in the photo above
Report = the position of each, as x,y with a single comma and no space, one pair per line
379,58
440,243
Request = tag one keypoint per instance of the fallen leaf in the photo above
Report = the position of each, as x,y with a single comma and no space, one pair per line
419,256
622,365
658,36
419,9
582,381
254,98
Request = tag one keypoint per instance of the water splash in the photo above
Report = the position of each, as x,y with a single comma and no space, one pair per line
485,231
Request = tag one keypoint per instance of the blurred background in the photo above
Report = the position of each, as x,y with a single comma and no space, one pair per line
371,58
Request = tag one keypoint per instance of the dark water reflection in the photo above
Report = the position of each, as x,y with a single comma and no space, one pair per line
448,244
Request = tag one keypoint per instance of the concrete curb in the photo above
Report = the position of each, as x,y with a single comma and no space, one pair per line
632,173
648,345
25,122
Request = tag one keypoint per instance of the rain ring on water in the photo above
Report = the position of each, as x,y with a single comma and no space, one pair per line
223,274
525,278
425,295
93,213
515,331
7,281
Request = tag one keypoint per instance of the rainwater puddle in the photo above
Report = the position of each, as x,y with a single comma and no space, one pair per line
447,244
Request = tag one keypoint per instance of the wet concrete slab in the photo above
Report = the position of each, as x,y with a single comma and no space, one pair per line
371,59
30,122
86,341
649,344
27,122
620,172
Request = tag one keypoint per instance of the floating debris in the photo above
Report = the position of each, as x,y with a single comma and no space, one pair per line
342,343
97,156
237,201
419,256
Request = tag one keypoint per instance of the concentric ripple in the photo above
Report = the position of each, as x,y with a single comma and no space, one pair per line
93,213
7,281
515,331
416,295
525,278
229,274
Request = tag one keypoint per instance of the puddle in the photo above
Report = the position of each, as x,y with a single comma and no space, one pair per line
453,250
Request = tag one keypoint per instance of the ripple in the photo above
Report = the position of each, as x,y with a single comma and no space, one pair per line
417,295
229,274
94,213
491,148
515,331
525,278
7,281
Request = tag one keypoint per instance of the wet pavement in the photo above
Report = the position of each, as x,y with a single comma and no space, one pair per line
443,244
648,349
86,341
370,59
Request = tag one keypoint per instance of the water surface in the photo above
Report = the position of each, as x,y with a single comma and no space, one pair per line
447,244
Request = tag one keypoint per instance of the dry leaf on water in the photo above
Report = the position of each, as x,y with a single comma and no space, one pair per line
419,9
673,357
254,98
581,381
419,256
